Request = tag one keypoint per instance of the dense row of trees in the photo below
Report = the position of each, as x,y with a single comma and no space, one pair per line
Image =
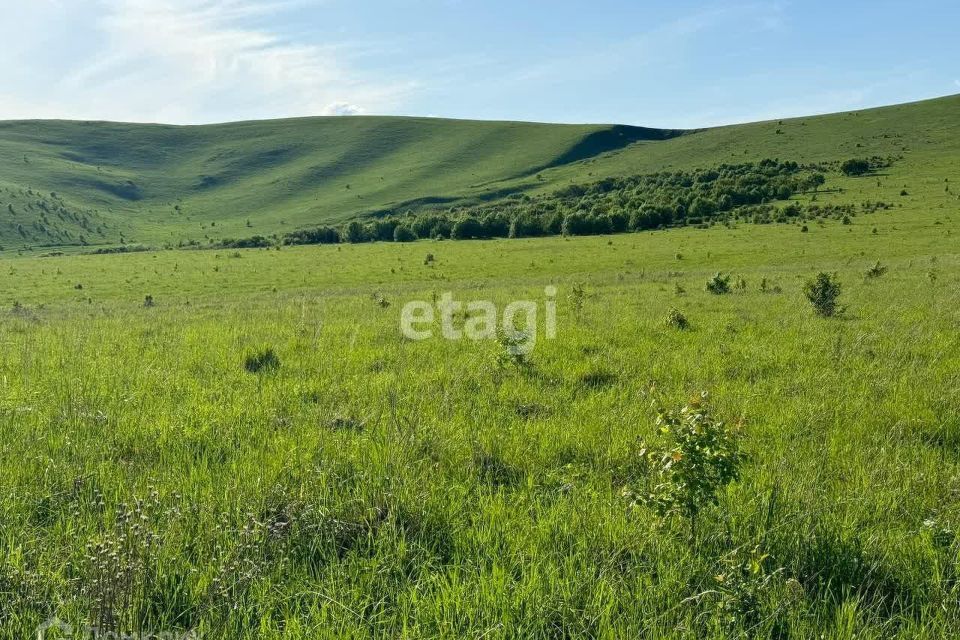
612,205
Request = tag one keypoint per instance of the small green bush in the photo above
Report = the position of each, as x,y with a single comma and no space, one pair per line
512,349
677,320
876,270
719,284
697,458
823,293
577,296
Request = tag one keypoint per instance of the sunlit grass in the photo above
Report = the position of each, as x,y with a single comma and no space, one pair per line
372,485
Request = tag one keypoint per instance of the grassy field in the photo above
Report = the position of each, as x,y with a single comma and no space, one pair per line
377,486
243,444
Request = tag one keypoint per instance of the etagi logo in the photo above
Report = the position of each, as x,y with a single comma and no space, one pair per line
54,628
480,320
57,629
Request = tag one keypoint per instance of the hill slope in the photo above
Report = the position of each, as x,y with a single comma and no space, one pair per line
68,183
159,183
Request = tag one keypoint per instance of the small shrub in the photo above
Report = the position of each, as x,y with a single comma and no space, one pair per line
876,270
743,582
677,320
823,293
697,458
262,361
719,284
513,349
577,295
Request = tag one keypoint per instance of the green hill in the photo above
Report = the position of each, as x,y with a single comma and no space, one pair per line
72,183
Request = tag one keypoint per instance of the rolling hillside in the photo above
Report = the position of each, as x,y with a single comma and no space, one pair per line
89,183
156,183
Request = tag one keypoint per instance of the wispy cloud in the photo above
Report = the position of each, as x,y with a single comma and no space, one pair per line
199,60
658,43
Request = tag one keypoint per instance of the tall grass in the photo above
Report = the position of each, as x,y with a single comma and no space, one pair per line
373,486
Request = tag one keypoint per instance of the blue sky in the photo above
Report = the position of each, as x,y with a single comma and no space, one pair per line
667,64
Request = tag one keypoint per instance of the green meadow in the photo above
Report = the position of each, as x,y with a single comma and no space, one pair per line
243,444
78,186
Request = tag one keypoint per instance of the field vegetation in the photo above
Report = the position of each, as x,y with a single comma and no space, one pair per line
739,430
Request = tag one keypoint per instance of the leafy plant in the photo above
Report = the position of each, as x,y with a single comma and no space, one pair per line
696,459
677,320
876,270
512,349
577,295
719,284
823,293
741,585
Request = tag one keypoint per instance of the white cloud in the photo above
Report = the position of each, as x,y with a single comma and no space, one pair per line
185,61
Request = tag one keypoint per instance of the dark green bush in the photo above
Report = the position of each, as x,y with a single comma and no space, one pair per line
719,284
823,293
855,167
